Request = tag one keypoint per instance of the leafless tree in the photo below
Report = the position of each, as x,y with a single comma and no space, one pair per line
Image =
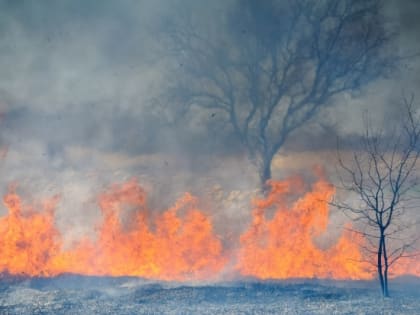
268,67
382,175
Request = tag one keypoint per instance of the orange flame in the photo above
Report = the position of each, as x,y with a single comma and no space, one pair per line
181,247
284,247
180,243
29,240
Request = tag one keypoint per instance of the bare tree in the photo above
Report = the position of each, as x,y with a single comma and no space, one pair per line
267,67
382,176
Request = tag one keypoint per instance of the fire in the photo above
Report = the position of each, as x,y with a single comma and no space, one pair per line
181,246
284,247
180,243
29,240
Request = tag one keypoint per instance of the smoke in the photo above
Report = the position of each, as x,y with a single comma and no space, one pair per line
77,90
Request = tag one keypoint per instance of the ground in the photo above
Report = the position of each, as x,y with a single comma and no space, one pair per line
101,295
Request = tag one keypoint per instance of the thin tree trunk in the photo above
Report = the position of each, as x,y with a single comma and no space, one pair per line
379,265
385,255
265,172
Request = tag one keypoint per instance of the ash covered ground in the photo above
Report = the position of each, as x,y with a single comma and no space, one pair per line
71,294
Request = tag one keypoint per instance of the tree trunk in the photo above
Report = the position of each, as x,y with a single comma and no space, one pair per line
383,265
379,265
385,255
265,172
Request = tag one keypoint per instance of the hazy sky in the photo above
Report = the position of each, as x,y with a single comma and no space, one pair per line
76,77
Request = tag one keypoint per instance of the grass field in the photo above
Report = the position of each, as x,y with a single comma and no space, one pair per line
100,295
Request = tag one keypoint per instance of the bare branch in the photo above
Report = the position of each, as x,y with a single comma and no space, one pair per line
381,175
275,75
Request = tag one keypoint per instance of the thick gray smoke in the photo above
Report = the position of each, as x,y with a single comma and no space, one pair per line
79,95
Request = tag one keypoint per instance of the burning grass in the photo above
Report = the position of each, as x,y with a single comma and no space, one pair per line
180,243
